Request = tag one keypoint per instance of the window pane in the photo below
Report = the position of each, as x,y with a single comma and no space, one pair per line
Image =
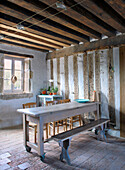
7,84
7,74
18,75
17,85
7,64
17,65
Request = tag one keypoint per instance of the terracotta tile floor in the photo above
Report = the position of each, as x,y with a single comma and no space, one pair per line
85,153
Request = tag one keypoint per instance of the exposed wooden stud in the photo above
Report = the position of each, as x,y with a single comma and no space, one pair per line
100,44
58,73
75,71
111,86
122,91
66,77
85,66
51,66
91,75
97,74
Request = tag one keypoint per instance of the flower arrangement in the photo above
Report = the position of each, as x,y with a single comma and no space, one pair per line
49,91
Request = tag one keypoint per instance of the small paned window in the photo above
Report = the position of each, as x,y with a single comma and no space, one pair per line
13,75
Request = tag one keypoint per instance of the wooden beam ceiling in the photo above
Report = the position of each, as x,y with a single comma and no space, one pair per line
118,6
38,7
49,28
21,13
82,15
55,38
103,11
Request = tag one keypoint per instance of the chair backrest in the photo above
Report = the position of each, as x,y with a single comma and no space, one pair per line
29,105
65,101
49,103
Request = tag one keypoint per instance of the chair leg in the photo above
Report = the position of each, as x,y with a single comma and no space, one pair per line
71,123
46,130
57,127
79,120
35,131
49,129
66,123
64,129
53,128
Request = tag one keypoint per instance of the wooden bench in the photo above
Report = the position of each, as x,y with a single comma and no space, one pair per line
64,139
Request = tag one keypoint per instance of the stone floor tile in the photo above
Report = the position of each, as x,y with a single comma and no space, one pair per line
5,155
24,165
4,161
4,166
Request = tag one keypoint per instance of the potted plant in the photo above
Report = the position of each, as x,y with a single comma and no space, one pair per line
55,91
43,91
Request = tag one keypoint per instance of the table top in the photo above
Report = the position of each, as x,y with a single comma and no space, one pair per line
49,96
37,111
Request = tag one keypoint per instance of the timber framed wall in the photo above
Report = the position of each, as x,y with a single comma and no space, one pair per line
80,74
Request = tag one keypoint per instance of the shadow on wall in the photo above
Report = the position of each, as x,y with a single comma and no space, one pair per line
106,110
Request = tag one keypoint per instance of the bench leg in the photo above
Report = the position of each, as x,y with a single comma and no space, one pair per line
100,132
64,154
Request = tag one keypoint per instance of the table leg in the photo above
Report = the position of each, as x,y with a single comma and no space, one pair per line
41,139
26,133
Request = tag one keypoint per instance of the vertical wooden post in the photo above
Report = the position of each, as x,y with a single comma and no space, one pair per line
122,91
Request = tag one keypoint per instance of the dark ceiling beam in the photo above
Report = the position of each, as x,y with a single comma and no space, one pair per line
37,7
103,11
18,12
118,6
21,37
16,54
60,40
27,43
25,35
85,17
88,46
20,45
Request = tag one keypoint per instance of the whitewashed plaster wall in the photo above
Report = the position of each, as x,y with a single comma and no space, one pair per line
8,114
94,72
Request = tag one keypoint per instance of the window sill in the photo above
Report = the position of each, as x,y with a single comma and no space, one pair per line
15,96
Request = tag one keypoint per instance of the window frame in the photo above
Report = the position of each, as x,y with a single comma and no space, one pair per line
13,59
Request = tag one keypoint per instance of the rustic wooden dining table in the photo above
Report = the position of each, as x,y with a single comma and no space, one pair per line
46,114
